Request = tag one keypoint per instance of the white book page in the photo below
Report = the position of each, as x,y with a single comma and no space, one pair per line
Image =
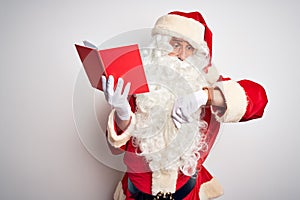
89,44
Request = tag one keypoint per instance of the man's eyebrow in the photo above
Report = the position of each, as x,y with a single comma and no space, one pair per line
180,40
177,40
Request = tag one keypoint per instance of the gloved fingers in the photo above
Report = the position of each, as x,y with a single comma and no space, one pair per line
103,79
126,90
177,119
176,112
185,115
119,87
177,115
177,123
104,87
110,89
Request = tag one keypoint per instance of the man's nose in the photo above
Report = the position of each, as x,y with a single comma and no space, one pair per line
182,54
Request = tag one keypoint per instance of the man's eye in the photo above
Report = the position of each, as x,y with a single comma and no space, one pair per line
190,48
176,45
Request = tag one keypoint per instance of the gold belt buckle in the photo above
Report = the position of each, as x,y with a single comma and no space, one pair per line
164,196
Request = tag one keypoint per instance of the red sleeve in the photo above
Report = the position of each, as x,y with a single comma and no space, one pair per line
247,97
256,97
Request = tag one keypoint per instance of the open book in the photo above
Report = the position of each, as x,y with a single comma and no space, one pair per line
124,62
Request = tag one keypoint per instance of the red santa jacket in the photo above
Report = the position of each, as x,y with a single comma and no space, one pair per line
245,100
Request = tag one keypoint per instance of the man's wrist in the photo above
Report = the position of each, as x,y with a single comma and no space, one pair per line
210,95
122,124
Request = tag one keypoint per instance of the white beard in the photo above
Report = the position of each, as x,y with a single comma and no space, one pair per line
163,145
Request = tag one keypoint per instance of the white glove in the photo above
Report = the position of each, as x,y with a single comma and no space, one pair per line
115,98
185,106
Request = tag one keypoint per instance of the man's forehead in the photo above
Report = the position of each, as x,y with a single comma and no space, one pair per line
175,39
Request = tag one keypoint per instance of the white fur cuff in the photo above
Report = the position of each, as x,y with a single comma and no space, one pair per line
115,139
210,190
236,101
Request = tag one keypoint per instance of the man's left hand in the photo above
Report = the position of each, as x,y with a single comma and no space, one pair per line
185,106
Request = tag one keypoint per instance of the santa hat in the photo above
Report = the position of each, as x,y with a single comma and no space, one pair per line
188,26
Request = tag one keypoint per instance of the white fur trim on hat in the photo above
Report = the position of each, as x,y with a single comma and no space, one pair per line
181,27
115,139
236,101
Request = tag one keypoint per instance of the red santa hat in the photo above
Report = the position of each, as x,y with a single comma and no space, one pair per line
188,26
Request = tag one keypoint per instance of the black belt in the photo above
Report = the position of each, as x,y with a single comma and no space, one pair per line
178,195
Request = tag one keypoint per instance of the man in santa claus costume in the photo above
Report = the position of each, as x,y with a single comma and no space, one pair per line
167,134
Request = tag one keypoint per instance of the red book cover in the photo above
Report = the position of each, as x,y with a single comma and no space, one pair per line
124,62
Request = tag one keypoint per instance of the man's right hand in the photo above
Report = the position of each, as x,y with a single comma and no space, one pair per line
117,99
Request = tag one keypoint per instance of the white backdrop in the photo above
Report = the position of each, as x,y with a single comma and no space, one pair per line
43,155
